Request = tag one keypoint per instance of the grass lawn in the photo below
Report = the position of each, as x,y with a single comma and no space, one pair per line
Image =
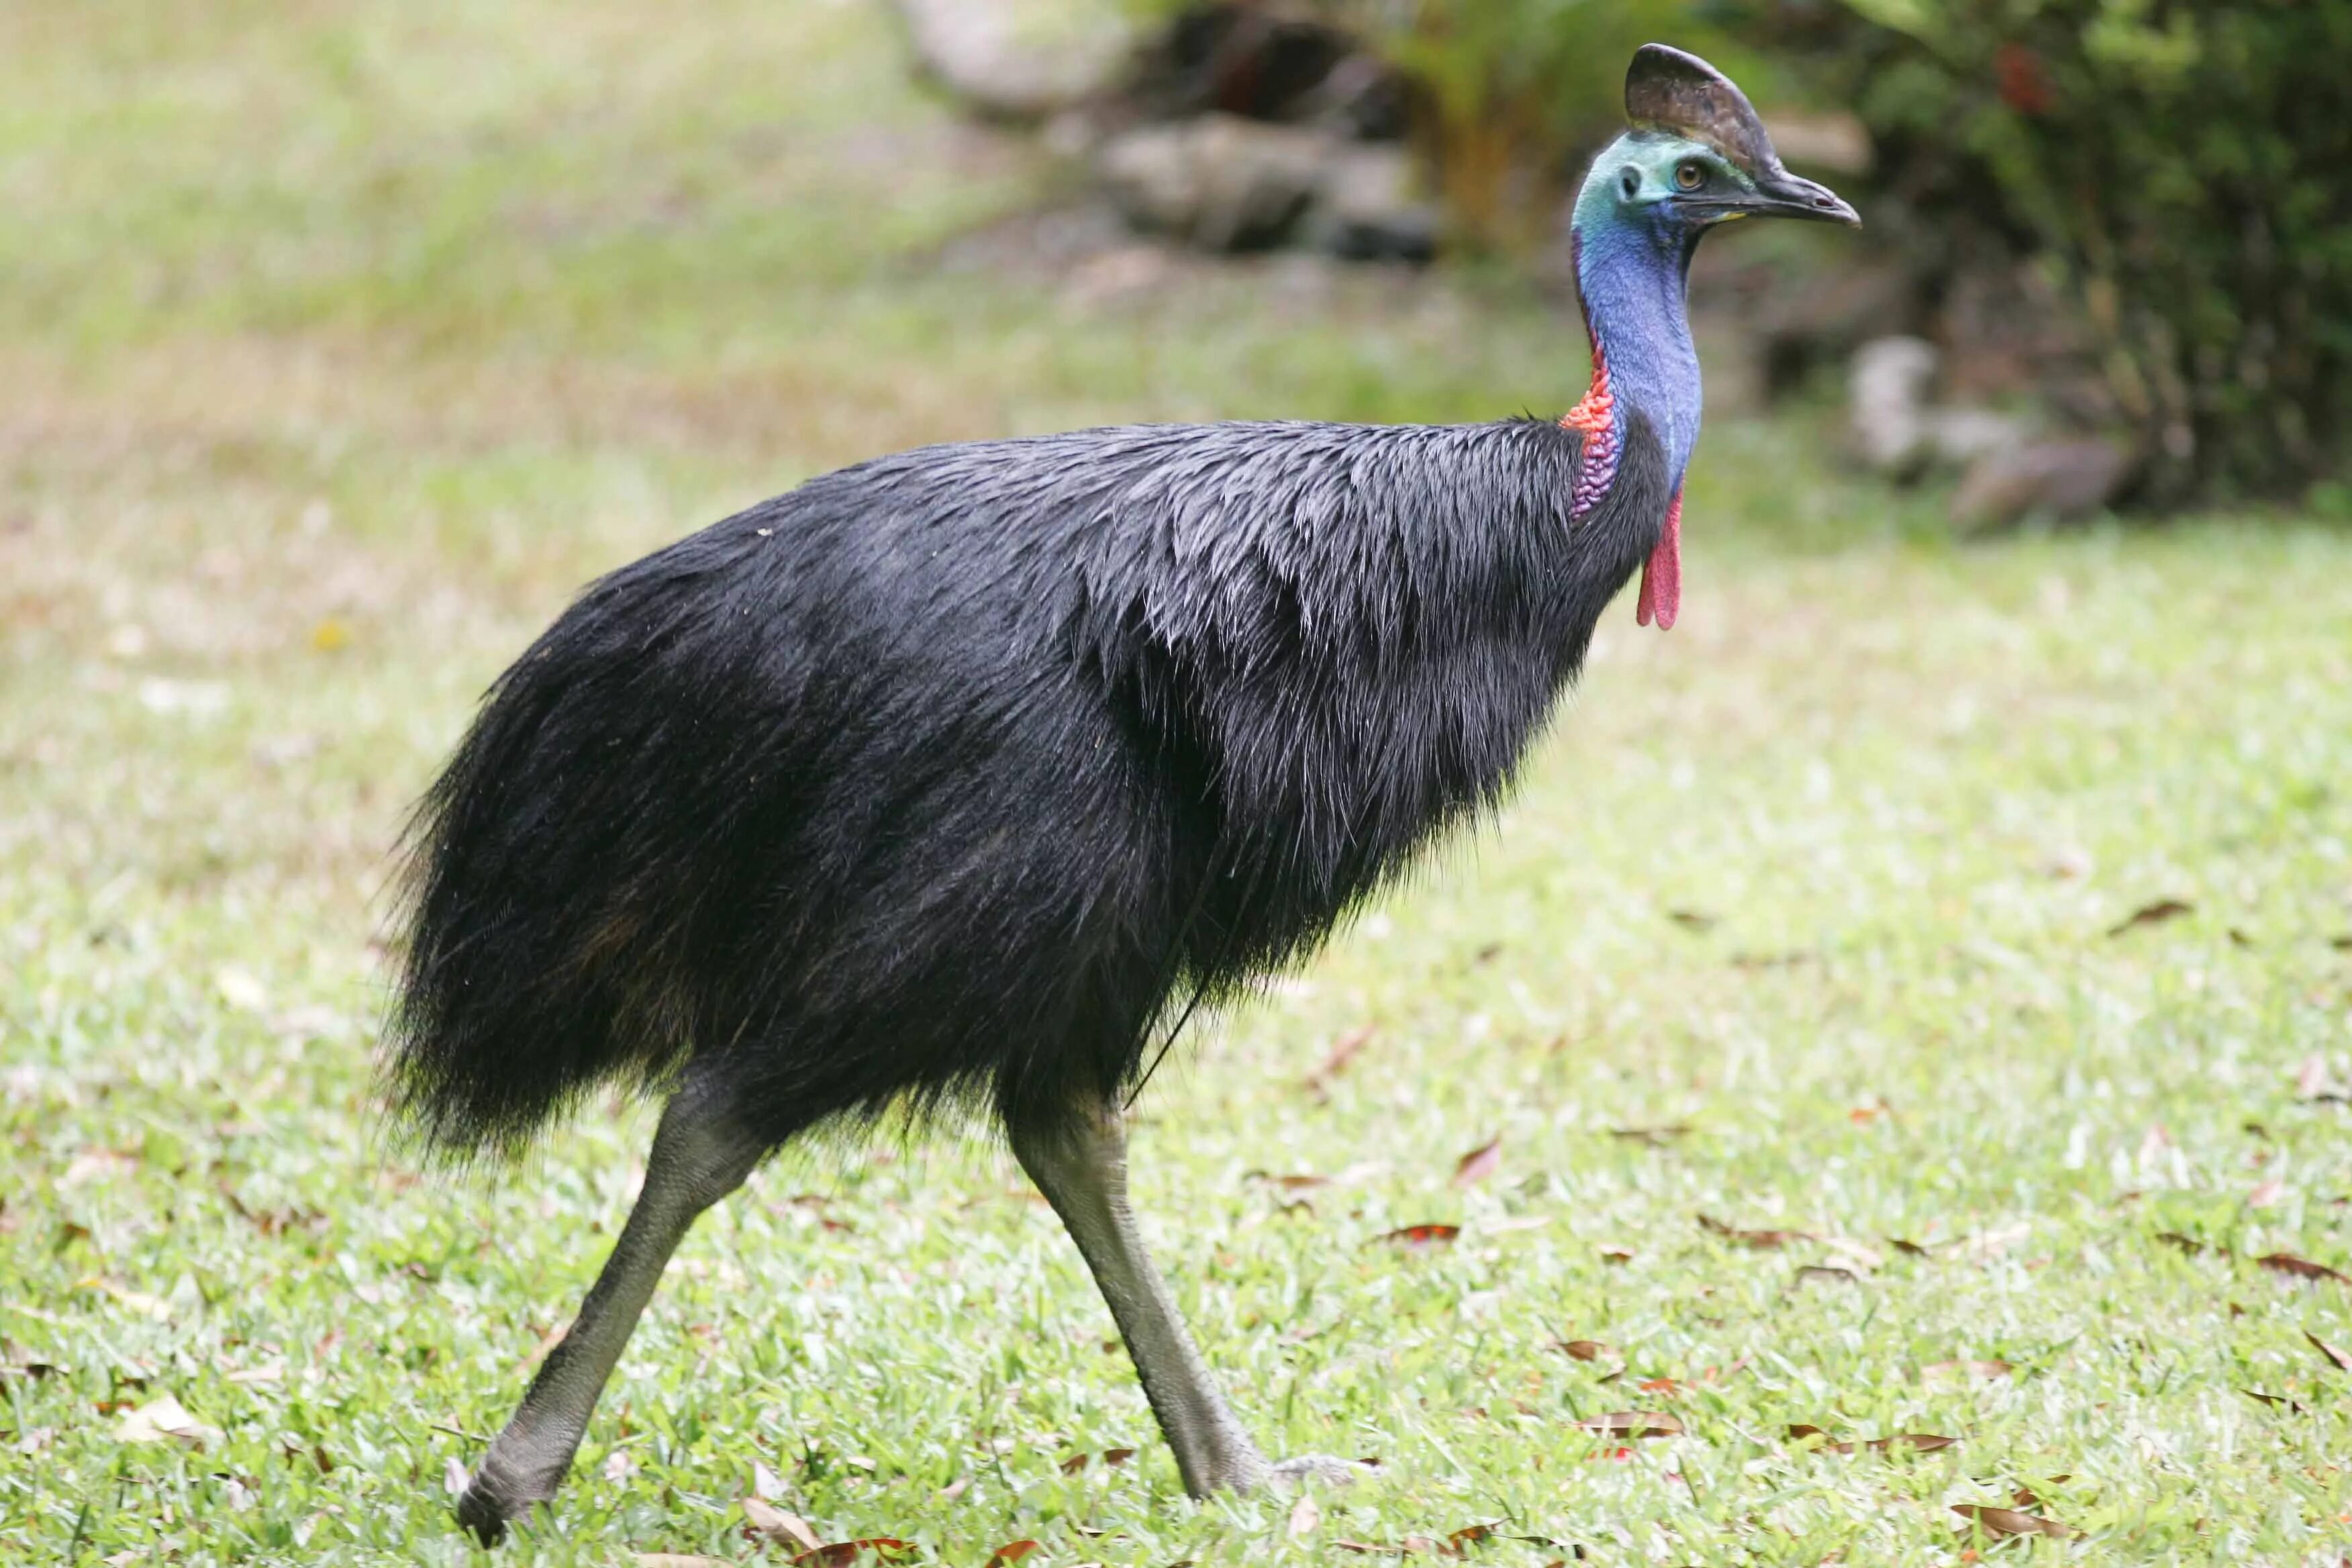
1835,1083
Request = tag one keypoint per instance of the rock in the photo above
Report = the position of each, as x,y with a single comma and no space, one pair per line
1898,430
1020,59
1367,208
1221,182
1886,399
2057,479
1225,183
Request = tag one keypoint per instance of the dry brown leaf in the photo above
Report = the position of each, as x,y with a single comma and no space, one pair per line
1306,1519
2302,1267
2266,1193
2009,1521
160,1420
1917,1442
1344,1050
1692,920
2342,1360
1985,1369
1012,1551
1113,1458
842,1553
1584,1349
2156,913
1615,1254
1760,1239
1480,1162
2276,1401
1826,1274
1633,1424
776,1524
2186,1243
1420,1237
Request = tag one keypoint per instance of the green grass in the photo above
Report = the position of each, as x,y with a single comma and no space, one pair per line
340,343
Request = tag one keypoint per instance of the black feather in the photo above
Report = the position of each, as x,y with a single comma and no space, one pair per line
938,777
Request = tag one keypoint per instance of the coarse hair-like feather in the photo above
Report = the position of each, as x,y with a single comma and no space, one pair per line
940,778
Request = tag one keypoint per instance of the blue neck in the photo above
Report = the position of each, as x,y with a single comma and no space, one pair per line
1631,271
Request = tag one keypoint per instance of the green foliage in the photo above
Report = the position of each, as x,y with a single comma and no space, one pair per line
1513,86
2190,166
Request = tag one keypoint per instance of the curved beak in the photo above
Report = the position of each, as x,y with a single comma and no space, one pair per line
1780,194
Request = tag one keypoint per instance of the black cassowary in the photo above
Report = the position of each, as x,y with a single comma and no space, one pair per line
946,777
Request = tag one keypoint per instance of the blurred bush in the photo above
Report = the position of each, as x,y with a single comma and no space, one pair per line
2188,167
1514,91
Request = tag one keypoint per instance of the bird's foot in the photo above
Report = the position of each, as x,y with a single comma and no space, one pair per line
1324,1467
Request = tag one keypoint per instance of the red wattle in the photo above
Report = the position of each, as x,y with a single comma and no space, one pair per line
1662,574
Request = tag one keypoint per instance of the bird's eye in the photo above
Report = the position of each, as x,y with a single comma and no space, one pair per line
1691,176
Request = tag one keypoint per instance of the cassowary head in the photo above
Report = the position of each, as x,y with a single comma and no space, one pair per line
1696,156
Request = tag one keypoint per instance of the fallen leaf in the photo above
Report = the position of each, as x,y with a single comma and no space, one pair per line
1010,1552
539,1352
776,1524
1585,1350
2156,913
2276,1401
2266,1193
1616,1254
454,1478
1908,1248
1917,1442
160,1420
1480,1162
1656,1137
1633,1424
1297,1183
2188,1244
1985,1369
1074,1463
1344,1050
1761,1239
1421,1237
1692,920
2008,1521
2342,1359
1826,1274
842,1553
2301,1267
766,1484
1304,1517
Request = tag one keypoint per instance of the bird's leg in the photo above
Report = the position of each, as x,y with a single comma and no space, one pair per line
700,1155
1082,1169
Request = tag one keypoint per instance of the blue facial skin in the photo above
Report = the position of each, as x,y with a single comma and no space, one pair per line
1633,230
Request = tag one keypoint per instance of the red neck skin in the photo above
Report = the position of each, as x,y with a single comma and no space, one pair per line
1595,416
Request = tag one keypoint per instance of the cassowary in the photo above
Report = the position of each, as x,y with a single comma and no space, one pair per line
944,779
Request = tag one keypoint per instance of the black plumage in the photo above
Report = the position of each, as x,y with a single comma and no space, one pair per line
946,775
945,778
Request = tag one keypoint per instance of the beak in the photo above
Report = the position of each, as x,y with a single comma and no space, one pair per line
1780,194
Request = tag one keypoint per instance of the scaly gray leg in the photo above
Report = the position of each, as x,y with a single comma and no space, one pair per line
698,1157
1082,1171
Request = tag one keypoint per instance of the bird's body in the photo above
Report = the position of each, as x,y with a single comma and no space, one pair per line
939,776
945,777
